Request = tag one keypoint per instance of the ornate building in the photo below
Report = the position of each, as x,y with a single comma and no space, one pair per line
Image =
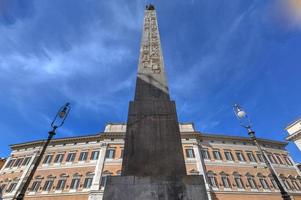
294,132
77,167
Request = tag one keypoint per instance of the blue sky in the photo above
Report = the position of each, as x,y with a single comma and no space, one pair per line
216,53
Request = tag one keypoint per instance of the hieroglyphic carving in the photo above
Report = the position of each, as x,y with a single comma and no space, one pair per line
151,55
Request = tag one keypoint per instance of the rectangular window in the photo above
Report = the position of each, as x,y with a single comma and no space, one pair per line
252,183
189,153
110,153
217,155
74,183
279,159
271,158
11,187
212,181
88,182
260,158
94,155
59,158
61,184
274,183
225,181
47,159
287,160
70,157
228,155
295,185
240,156
10,163
251,157
83,156
205,154
35,186
264,183
2,187
238,182
286,184
18,162
103,181
26,161
48,185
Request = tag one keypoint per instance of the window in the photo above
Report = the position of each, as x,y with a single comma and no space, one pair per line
260,158
264,183
228,155
251,182
10,163
48,185
18,162
225,181
61,184
286,184
75,182
205,154
26,161
83,156
271,158
287,160
110,153
251,157
295,185
279,160
2,187
238,182
11,187
35,186
47,159
103,181
70,157
212,179
189,153
274,183
240,156
59,158
217,155
88,182
94,155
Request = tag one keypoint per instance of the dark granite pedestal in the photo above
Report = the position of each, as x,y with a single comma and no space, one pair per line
155,188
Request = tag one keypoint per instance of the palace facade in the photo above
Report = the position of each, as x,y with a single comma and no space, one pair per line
77,167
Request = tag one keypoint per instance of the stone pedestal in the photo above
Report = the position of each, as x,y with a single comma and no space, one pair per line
155,188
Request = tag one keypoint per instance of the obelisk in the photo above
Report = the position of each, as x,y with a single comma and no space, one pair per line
153,163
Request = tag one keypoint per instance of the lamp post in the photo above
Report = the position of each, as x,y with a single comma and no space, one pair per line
57,122
246,123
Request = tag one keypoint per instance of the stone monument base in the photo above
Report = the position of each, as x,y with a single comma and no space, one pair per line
155,188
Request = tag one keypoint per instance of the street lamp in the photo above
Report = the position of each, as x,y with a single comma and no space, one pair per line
57,122
246,123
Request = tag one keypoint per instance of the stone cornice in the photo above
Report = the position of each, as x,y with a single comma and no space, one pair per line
120,135
294,136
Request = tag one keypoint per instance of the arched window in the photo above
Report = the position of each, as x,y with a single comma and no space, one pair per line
251,181
212,179
263,181
225,180
238,181
88,180
75,181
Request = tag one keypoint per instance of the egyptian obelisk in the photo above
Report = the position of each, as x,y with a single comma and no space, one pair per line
153,163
